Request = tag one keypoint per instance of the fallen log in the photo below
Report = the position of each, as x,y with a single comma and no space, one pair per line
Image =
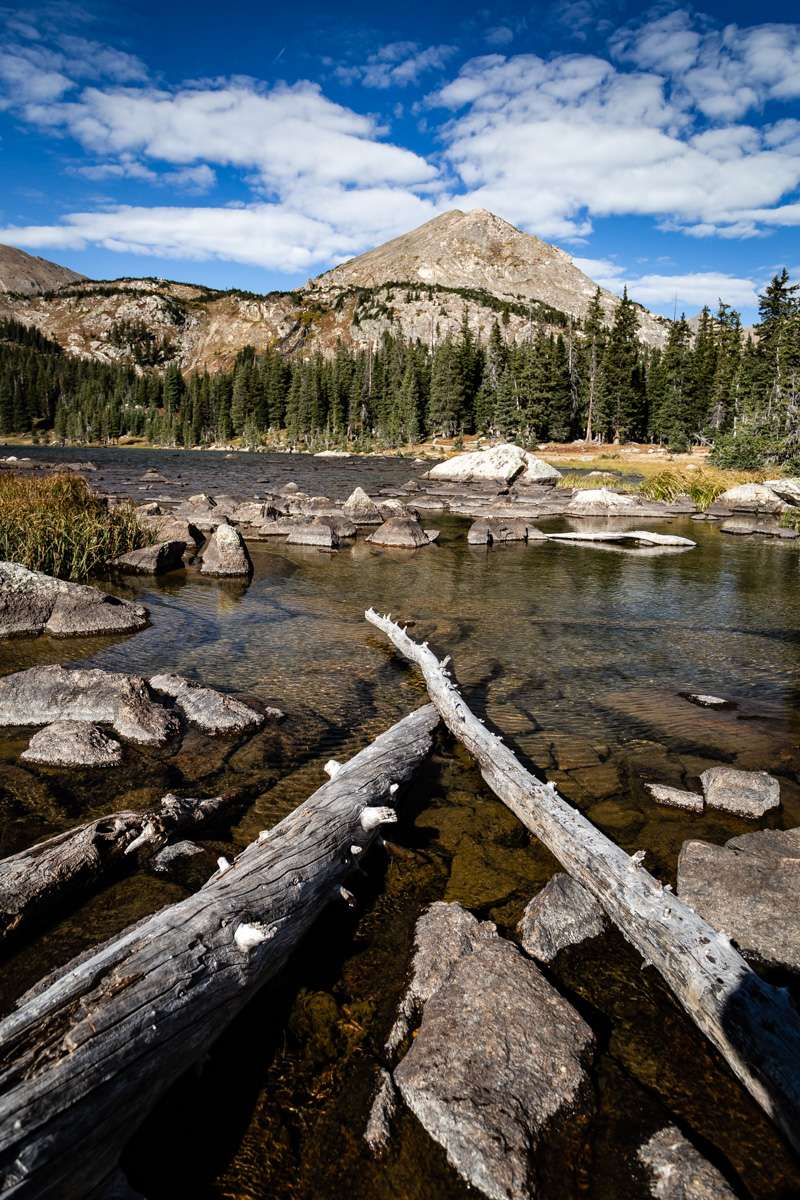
63,868
754,1026
83,1060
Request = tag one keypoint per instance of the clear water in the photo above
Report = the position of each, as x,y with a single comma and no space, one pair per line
578,655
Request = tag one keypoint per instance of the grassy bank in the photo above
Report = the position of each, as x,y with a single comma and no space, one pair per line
703,485
57,526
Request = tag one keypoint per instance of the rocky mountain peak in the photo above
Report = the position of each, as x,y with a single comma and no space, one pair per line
479,250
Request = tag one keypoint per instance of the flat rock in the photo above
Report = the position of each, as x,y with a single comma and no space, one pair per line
341,525
785,489
748,889
505,462
226,553
745,793
252,512
639,537
361,509
488,530
210,710
152,560
32,603
43,695
675,797
314,533
400,531
562,914
499,1057
73,744
676,1171
394,508
751,497
169,528
600,501
705,700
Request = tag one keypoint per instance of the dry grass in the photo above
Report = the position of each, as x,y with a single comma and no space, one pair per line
57,526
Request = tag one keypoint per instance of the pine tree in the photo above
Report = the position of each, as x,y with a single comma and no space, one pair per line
622,409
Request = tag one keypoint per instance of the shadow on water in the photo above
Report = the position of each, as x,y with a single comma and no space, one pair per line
578,659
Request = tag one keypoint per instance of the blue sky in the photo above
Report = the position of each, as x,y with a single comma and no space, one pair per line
254,145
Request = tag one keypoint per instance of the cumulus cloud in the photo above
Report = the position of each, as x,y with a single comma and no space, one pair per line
722,72
552,143
268,235
690,290
189,179
397,64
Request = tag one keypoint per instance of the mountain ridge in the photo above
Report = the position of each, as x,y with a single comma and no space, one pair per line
418,285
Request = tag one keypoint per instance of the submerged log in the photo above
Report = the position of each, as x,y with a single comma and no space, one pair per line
63,868
754,1026
83,1060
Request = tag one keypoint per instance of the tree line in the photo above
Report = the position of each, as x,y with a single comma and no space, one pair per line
711,381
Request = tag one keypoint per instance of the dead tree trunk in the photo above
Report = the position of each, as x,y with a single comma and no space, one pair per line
753,1025
53,873
85,1059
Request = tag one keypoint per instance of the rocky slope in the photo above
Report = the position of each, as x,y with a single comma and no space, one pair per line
418,285
27,275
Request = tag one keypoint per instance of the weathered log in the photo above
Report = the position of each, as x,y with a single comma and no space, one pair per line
55,872
754,1026
85,1059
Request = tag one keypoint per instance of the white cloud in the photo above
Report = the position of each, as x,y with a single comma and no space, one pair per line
397,64
723,72
189,179
286,133
694,289
499,35
691,290
267,235
549,144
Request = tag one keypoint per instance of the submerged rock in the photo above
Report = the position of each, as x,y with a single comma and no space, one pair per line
226,554
42,695
32,603
499,1057
152,560
676,1171
73,744
675,797
505,462
745,793
210,710
748,890
403,532
172,857
562,914
361,509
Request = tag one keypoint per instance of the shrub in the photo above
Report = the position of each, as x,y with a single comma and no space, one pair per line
56,525
744,451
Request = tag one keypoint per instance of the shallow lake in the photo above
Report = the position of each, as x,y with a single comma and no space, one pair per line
578,655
